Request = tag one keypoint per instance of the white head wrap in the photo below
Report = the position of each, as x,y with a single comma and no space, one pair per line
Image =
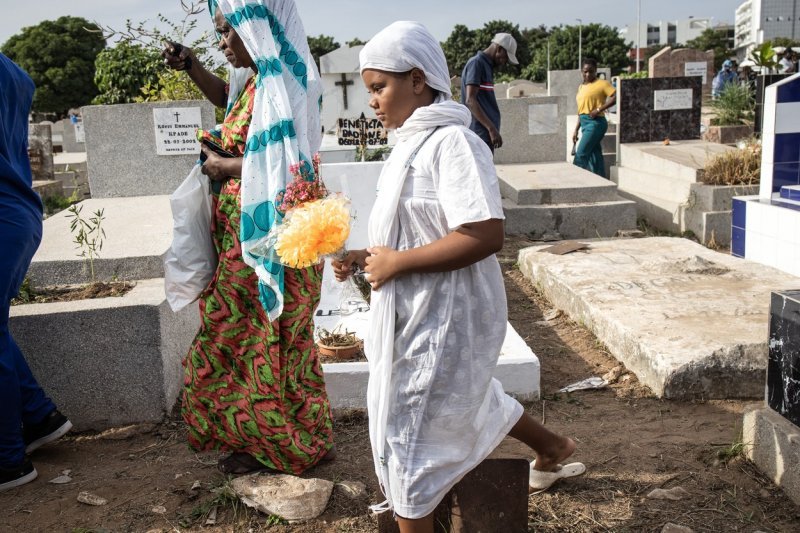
400,47
403,46
285,125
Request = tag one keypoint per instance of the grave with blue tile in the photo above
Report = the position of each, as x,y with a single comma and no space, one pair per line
766,228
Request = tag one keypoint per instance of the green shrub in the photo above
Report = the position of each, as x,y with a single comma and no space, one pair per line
734,106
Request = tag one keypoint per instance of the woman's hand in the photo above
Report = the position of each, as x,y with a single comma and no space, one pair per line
219,168
178,57
594,113
575,137
382,265
344,268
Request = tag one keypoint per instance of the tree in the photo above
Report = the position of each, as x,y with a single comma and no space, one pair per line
321,45
59,56
355,42
122,71
712,39
598,41
458,48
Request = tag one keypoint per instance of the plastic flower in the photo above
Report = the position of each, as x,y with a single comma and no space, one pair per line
313,230
304,187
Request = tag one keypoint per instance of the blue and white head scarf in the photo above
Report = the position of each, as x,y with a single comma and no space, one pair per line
285,127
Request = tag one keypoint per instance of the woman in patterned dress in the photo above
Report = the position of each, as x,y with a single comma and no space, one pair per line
253,383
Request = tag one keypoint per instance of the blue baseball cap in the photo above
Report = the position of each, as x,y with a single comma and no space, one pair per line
727,63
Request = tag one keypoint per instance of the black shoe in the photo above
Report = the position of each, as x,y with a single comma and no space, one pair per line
54,426
14,477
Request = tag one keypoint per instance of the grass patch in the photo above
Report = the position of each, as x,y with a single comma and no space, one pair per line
735,167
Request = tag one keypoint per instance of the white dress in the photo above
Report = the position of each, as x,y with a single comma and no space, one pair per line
445,411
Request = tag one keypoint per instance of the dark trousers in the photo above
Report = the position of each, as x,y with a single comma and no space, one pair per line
22,400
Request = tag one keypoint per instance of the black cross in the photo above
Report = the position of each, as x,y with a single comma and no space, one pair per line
343,84
177,115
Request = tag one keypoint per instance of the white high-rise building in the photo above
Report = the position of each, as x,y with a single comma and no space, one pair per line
665,31
763,20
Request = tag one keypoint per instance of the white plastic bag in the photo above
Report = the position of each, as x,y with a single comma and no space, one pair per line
191,261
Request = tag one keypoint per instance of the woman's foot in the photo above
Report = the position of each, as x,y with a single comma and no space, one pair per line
239,463
330,456
548,460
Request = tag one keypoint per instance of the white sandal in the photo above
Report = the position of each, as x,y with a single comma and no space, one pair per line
540,480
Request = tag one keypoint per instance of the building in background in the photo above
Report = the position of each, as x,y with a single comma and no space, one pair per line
670,32
763,20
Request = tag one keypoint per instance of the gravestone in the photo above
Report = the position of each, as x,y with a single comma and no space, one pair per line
343,92
566,82
522,89
73,136
765,227
683,62
501,90
655,109
771,431
533,130
143,149
40,151
783,366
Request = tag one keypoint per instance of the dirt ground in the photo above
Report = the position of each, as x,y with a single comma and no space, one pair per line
630,441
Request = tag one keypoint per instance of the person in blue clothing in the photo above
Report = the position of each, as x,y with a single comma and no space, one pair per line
477,87
28,418
725,76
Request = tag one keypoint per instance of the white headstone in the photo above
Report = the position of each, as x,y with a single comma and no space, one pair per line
343,92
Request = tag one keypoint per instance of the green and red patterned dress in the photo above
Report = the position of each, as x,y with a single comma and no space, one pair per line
252,385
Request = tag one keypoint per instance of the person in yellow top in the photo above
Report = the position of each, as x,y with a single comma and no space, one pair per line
594,97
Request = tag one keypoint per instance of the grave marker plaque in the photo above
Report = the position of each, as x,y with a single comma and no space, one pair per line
672,100
696,68
362,131
175,130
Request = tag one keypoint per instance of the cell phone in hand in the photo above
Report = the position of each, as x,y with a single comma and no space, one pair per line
214,148
177,48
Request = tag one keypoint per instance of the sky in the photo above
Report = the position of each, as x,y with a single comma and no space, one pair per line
346,19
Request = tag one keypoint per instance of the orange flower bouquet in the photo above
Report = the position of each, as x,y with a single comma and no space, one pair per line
312,231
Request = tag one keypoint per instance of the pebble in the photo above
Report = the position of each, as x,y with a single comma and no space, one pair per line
159,509
90,499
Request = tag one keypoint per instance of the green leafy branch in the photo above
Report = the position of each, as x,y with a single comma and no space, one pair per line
89,234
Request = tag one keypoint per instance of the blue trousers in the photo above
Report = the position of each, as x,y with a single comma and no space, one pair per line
589,152
22,400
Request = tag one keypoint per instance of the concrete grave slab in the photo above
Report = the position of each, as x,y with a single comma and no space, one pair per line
560,200
688,321
138,234
109,361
